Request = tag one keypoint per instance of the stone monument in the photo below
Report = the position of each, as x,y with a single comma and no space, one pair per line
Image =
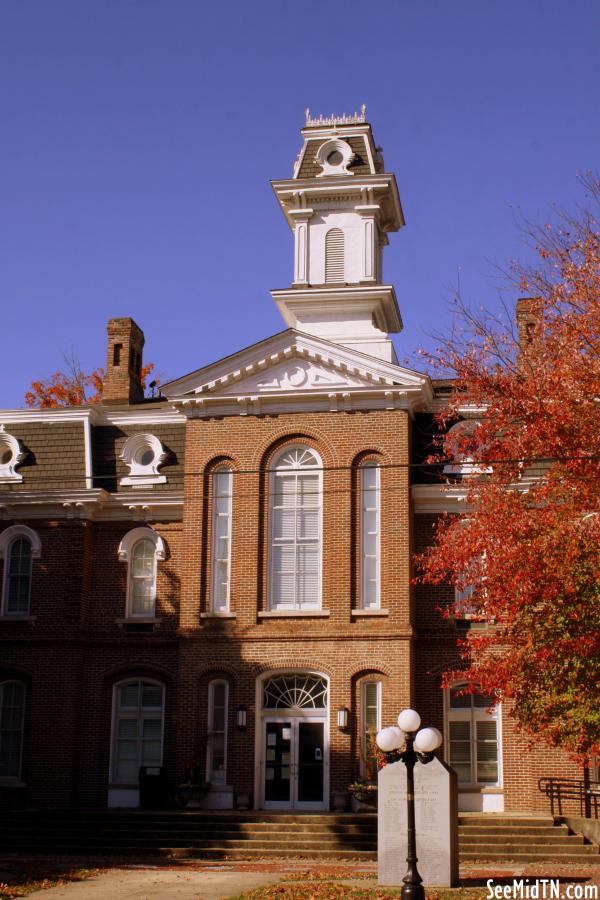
436,823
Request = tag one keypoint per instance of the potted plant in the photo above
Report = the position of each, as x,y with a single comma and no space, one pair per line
364,793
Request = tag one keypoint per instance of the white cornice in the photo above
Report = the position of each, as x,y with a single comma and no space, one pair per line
439,498
96,504
59,414
164,416
382,186
349,400
96,415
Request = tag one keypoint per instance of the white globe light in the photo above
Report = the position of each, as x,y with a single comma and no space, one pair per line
409,720
389,739
428,740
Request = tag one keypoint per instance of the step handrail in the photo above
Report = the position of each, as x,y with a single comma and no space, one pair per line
582,790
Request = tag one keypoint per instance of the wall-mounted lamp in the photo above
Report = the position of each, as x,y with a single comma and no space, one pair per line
240,717
342,718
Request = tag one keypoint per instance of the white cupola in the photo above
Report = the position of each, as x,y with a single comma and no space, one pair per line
340,205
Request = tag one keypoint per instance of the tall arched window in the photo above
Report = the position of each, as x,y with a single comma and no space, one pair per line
370,542
12,718
370,725
334,256
216,752
19,546
295,530
473,744
221,539
138,717
141,548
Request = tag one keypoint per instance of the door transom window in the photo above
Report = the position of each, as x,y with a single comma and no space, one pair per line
295,692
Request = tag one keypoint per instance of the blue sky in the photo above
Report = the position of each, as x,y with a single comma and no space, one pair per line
138,138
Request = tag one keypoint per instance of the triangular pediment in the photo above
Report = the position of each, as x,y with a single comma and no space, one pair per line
293,364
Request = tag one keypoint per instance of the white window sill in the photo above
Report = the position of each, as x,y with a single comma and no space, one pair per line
292,613
11,781
19,618
218,615
143,480
481,789
141,620
370,612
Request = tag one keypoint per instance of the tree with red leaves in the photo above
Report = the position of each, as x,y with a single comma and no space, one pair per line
527,551
71,386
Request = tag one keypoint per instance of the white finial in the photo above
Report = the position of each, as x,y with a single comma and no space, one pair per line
307,114
363,110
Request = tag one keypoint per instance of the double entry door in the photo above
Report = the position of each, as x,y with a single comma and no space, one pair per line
293,763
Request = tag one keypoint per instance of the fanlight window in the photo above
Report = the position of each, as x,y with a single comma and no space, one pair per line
295,692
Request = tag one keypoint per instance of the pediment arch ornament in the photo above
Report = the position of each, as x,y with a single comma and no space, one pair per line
143,454
334,157
11,455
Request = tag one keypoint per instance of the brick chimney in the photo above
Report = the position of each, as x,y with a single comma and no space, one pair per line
529,320
122,382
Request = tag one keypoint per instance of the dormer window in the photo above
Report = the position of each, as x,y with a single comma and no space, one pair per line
10,457
143,453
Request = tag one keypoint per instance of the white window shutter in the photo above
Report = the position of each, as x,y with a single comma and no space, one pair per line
334,256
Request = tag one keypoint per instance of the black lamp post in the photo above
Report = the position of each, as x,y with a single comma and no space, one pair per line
418,746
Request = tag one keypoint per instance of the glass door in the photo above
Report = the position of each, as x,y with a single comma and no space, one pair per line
308,782
294,763
277,762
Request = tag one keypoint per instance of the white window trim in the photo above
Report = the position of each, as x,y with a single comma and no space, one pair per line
125,555
7,538
220,470
8,471
16,779
317,605
363,556
363,717
115,719
473,715
143,474
210,731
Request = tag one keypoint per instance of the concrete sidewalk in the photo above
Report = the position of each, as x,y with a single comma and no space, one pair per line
161,884
217,880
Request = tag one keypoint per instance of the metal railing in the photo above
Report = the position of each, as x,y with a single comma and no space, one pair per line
584,792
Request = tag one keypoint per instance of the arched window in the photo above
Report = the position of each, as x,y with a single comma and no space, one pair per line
138,724
295,530
12,719
370,714
473,744
370,541
334,256
216,752
222,483
19,546
141,548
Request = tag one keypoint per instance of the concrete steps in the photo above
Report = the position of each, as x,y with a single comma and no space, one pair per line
254,835
498,838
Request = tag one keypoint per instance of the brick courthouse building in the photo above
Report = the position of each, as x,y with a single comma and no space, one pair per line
224,573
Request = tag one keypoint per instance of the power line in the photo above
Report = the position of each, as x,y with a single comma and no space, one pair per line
528,462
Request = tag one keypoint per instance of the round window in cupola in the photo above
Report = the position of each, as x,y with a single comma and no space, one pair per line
334,157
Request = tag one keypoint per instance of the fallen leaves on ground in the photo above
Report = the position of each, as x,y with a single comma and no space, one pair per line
19,882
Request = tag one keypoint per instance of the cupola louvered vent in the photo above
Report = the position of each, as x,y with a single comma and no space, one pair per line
334,256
